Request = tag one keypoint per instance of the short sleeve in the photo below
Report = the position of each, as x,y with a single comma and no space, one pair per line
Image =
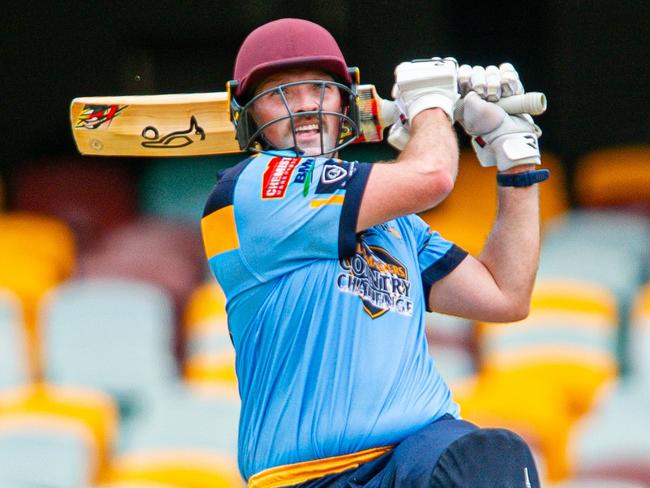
437,256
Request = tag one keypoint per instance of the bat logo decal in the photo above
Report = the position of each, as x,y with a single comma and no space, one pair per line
94,116
174,139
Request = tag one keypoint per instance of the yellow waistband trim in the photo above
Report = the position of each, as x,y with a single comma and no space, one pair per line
291,474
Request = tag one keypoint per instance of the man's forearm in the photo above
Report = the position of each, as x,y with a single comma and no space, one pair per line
511,253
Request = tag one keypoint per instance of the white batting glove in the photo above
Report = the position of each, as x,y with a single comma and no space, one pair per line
427,83
398,134
491,83
499,139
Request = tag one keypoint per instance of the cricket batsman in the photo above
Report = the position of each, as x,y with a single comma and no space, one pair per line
329,273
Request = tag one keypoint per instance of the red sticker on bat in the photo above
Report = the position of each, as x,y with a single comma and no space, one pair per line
94,116
277,177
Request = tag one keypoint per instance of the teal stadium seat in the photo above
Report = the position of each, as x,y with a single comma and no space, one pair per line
612,441
451,343
44,452
181,417
600,246
185,436
111,334
14,360
177,188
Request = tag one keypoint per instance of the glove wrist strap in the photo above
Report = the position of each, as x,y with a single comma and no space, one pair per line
527,178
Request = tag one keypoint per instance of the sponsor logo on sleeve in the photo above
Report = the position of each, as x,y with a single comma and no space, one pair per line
277,177
378,279
335,176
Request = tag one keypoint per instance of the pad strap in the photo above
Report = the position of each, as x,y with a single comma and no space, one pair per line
523,179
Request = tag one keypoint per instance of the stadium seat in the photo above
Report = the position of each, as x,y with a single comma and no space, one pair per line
568,342
185,437
14,359
134,484
111,334
452,345
168,255
467,214
598,483
539,375
178,188
536,411
640,336
39,234
209,356
42,452
53,436
91,195
601,246
612,442
615,177
29,277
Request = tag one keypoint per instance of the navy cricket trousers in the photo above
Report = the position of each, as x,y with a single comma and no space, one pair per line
448,453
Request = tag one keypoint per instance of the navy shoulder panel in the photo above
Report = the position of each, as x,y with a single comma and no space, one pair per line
223,191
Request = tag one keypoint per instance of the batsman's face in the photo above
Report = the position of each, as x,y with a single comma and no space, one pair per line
298,99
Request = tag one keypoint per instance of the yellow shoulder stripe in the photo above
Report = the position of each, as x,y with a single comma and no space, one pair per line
219,231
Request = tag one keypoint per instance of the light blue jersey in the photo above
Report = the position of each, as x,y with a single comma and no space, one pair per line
328,326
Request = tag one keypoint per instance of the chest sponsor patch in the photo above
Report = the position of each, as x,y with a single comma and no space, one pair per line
378,279
277,177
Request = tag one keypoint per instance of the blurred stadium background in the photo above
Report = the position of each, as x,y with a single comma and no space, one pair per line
115,364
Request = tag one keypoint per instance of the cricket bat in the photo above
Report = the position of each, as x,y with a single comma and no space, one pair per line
185,124
197,124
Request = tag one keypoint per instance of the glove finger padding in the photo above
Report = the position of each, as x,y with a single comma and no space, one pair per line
498,138
491,83
510,82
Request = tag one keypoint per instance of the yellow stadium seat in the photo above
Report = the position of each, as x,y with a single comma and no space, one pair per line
466,216
182,467
206,301
540,375
568,342
135,484
614,176
41,235
209,354
87,414
36,253
534,411
29,277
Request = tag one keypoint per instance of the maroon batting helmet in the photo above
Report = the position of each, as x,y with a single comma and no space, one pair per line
284,44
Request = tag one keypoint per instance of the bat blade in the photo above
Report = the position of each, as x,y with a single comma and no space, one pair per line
182,124
153,125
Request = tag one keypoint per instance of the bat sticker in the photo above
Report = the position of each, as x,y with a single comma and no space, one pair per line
174,139
94,116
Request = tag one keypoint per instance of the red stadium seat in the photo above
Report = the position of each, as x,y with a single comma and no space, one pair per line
91,195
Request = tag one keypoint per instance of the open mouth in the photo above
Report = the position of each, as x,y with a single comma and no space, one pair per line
308,129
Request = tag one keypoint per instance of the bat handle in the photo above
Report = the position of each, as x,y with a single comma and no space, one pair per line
533,103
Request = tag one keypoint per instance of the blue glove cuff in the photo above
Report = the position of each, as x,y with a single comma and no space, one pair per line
523,179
